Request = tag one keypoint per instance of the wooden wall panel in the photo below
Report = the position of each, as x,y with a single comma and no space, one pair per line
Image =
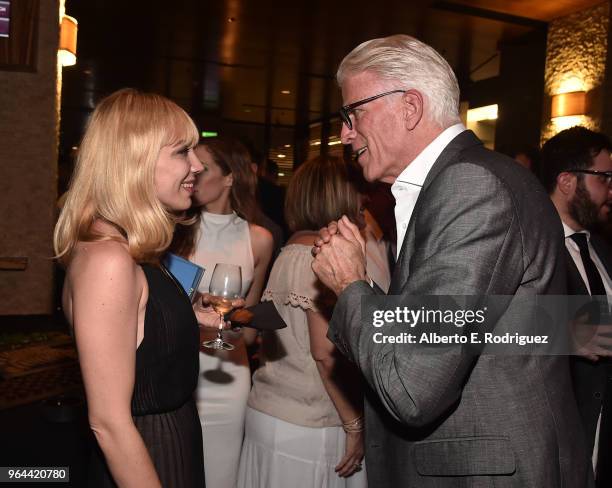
18,51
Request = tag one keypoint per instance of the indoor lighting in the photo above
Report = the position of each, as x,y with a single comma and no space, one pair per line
68,41
571,83
562,123
488,112
281,174
209,133
286,92
281,156
334,143
568,104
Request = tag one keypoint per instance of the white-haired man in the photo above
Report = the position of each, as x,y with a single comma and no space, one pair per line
469,222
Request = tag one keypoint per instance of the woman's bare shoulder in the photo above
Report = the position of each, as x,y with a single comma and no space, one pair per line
305,238
260,236
109,257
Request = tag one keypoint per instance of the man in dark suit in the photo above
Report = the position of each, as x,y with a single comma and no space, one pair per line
577,173
470,222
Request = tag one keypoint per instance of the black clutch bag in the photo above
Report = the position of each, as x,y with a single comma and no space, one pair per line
262,316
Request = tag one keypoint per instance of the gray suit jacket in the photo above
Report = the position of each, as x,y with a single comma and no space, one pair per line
481,226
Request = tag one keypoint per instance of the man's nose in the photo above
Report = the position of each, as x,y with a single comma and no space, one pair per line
347,135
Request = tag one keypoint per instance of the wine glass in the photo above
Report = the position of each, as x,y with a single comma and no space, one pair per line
225,285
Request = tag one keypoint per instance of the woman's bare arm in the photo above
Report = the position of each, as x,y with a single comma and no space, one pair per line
108,292
262,244
343,385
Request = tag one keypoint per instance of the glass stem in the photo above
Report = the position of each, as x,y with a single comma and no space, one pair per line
219,334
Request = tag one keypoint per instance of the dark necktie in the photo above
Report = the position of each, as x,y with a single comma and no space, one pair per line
595,282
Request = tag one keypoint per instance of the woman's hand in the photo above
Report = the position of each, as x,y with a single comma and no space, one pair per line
206,316
353,455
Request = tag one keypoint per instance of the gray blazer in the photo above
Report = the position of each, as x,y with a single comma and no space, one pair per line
481,226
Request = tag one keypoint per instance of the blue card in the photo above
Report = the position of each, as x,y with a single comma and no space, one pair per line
187,274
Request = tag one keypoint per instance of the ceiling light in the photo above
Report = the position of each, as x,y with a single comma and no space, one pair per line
287,145
281,174
281,156
286,92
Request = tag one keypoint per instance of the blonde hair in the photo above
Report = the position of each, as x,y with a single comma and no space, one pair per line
320,191
114,177
408,63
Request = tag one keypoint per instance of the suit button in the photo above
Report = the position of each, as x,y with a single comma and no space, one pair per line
597,395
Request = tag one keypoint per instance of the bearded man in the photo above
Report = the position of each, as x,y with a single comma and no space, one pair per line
577,172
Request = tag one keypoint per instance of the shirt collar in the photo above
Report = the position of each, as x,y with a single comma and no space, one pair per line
568,231
416,171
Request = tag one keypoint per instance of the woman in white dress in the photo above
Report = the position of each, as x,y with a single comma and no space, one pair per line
225,208
304,422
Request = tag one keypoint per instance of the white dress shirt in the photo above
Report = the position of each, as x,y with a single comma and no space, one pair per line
408,184
574,251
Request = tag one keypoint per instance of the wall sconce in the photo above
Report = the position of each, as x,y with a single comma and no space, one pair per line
568,104
68,41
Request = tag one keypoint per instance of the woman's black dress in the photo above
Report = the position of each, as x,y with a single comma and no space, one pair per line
166,375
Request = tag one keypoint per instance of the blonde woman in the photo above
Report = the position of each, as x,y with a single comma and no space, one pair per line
225,210
304,422
135,330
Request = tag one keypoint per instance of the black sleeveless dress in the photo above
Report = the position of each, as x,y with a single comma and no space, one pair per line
167,372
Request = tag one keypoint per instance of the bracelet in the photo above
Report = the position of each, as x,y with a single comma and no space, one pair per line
355,425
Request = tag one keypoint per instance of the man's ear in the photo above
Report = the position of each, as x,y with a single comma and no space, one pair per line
412,105
228,180
566,183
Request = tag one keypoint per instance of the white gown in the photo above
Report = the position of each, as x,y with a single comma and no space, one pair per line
225,378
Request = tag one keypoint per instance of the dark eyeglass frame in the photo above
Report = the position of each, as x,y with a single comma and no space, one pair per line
347,110
605,174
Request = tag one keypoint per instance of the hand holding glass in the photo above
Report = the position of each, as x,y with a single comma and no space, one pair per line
225,286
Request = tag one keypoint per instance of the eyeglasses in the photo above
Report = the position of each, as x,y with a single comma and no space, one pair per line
606,176
347,110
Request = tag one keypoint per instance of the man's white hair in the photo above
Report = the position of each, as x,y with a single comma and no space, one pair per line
410,64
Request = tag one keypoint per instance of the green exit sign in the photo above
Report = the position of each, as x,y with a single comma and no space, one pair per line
209,133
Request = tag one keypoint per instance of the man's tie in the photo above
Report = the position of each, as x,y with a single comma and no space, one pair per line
595,282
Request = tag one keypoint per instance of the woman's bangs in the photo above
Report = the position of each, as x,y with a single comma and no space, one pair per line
181,130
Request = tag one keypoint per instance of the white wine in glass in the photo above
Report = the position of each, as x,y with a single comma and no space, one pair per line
225,286
221,305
